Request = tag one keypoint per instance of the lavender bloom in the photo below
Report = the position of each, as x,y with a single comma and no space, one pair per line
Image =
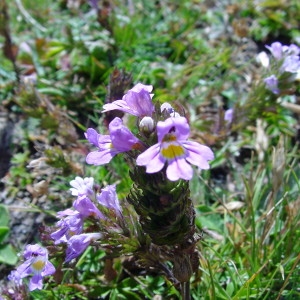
137,102
173,147
82,186
78,243
279,51
36,264
272,84
120,140
108,198
87,208
291,64
228,115
289,56
16,277
276,50
70,225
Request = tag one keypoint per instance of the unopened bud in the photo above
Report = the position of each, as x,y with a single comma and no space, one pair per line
147,125
169,109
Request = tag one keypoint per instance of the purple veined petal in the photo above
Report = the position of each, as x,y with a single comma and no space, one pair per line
109,198
49,269
78,243
291,64
87,208
139,86
199,149
140,103
152,159
100,158
156,164
276,50
119,105
104,142
34,250
66,212
137,101
92,136
272,84
293,49
179,125
122,138
36,282
179,168
24,269
70,225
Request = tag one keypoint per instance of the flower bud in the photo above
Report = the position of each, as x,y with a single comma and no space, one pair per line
147,125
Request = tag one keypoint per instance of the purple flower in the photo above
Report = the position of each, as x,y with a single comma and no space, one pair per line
272,84
276,50
228,115
120,140
82,186
291,64
87,208
16,277
36,264
289,56
108,198
137,101
173,147
78,243
94,3
70,225
280,51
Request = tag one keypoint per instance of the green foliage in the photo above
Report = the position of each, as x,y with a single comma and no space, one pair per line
201,58
8,254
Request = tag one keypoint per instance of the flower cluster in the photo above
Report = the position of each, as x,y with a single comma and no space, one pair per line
284,66
172,149
36,265
163,146
70,227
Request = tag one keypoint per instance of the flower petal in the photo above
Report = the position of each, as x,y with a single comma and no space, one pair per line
36,282
179,125
144,158
179,168
198,154
121,137
98,158
92,136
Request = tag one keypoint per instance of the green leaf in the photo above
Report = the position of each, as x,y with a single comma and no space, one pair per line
4,215
8,255
3,233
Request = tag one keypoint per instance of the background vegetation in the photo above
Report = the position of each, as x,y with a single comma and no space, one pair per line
59,63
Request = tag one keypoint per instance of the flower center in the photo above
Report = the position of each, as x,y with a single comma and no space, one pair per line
38,265
170,147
